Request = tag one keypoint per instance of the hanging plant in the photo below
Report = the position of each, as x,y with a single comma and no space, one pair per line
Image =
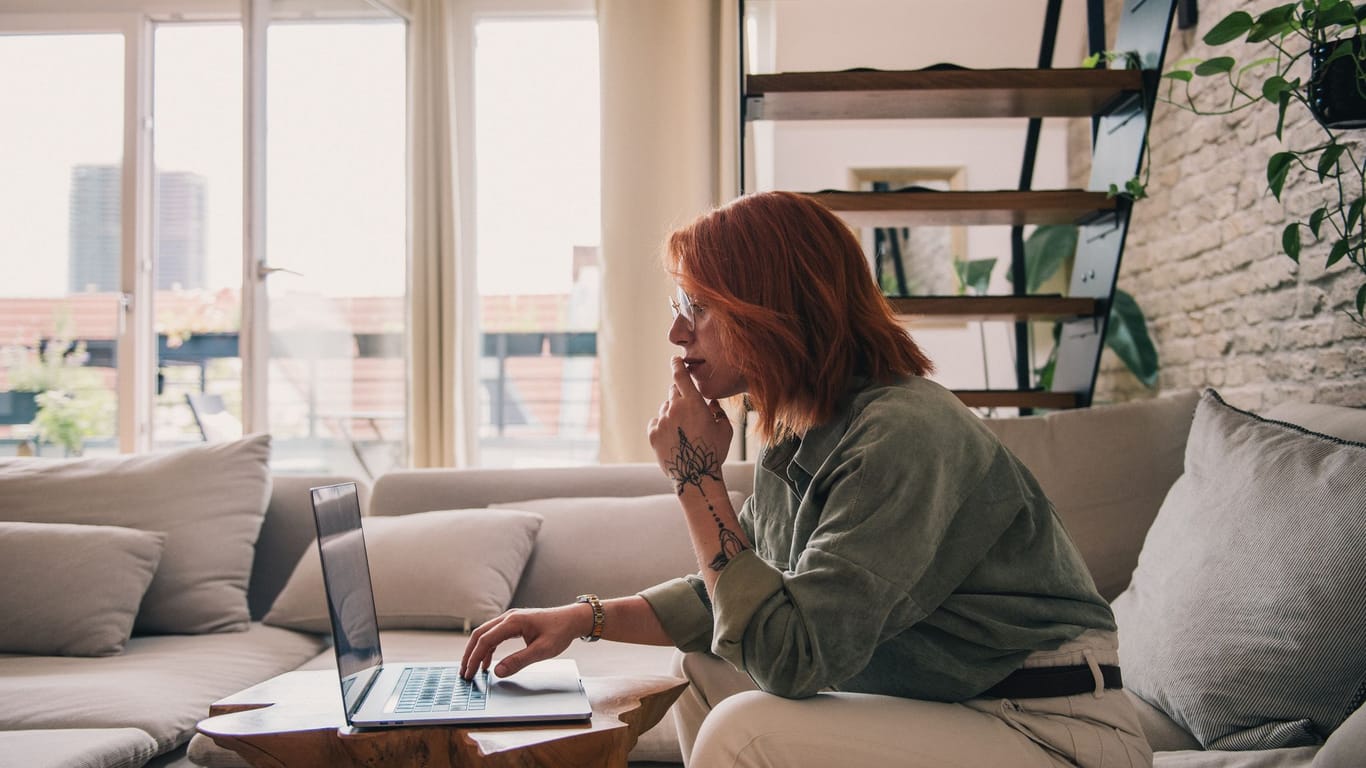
1333,90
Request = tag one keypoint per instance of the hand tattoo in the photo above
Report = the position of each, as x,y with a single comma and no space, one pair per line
691,464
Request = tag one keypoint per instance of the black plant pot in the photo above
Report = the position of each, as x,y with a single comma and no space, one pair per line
1337,94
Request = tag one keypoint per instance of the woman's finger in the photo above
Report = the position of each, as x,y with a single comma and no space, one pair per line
683,380
481,655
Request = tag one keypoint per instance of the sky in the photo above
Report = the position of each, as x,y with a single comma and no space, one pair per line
336,195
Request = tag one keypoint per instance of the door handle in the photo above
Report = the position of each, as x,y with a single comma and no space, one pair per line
264,270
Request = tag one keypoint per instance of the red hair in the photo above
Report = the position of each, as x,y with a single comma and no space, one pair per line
800,313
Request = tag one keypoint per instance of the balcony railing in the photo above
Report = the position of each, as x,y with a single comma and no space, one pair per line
513,396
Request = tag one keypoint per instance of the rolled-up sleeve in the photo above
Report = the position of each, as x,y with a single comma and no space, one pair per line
683,610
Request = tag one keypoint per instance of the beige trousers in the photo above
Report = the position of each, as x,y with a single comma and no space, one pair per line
724,721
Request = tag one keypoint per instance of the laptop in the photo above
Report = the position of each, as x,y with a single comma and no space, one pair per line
377,694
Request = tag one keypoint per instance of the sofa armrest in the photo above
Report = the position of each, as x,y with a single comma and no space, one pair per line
286,532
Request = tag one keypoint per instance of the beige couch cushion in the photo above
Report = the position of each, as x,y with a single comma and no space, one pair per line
626,543
207,499
1106,469
450,569
1336,420
73,590
1246,618
160,684
76,748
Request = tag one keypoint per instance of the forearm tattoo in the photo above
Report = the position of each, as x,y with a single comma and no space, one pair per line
691,464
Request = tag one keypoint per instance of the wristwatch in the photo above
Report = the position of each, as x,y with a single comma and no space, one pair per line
598,616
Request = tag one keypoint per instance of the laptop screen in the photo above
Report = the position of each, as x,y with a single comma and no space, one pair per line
350,598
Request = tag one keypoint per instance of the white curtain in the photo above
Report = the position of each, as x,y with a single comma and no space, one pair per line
443,321
669,94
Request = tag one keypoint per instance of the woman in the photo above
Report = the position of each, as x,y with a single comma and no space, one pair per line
898,590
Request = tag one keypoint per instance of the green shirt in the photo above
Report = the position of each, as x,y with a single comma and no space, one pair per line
899,549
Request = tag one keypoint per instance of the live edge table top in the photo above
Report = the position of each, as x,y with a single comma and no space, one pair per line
295,721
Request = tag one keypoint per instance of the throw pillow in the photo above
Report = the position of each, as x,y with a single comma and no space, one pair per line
73,590
449,569
1246,618
644,538
209,500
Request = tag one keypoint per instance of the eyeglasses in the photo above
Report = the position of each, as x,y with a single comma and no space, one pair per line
683,306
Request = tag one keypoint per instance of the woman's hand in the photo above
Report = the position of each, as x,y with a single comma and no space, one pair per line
546,632
691,435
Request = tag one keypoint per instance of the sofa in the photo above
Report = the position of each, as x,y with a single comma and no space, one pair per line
1170,500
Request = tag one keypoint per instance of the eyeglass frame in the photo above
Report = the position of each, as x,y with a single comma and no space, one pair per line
683,306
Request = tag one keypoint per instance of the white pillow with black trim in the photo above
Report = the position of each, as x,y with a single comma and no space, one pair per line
1246,618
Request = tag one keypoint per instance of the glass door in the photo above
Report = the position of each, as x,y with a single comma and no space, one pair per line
197,232
336,244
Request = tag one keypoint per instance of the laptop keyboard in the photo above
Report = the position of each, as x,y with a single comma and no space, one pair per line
440,689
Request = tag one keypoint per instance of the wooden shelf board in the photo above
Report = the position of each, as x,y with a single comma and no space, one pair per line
950,93
970,208
995,308
1009,398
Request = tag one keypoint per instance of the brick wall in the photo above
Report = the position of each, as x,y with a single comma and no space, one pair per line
1227,309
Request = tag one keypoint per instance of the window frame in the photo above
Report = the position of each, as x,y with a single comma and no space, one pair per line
136,22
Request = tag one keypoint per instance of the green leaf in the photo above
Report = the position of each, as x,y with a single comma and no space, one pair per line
1216,66
973,275
1229,28
1274,87
1316,221
1290,242
1045,371
1091,61
1046,249
1277,168
1184,75
1329,159
1128,336
1334,14
1276,22
1361,300
1354,212
1340,249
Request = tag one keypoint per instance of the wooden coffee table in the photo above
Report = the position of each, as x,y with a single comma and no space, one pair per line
295,721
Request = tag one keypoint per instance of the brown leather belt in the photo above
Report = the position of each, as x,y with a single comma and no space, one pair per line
1047,682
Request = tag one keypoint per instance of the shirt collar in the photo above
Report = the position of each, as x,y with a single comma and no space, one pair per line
797,459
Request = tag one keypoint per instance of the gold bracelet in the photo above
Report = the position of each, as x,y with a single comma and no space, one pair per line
598,616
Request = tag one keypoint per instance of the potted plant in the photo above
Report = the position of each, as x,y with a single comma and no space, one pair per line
71,404
1048,249
1306,53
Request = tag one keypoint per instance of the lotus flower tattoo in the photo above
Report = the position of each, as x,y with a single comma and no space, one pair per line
692,463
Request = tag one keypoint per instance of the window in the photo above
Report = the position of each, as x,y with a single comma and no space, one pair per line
156,359
61,140
197,215
538,223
